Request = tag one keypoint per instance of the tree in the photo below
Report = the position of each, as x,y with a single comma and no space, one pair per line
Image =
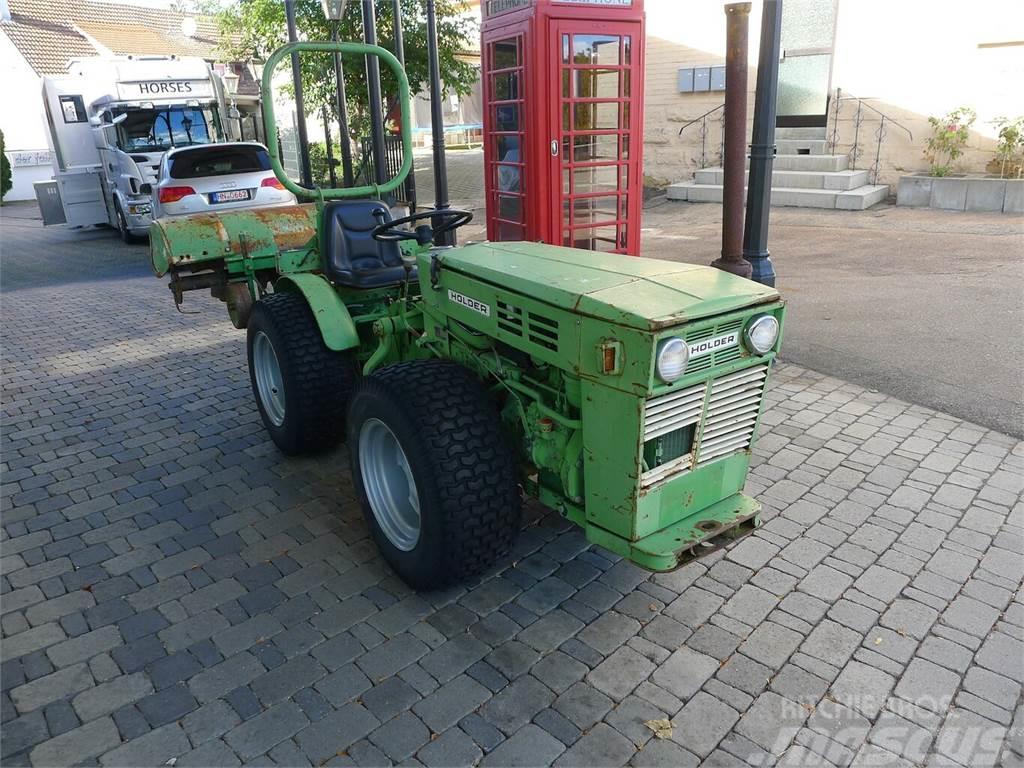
252,29
5,171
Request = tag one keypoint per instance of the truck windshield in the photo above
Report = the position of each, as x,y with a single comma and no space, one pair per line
160,128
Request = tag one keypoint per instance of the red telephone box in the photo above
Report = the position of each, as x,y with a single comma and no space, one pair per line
563,121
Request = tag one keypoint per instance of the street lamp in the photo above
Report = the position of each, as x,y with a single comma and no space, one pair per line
334,11
231,79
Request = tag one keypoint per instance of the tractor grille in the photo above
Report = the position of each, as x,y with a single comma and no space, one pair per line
676,438
705,362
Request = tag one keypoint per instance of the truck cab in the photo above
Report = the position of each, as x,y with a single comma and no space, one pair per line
110,122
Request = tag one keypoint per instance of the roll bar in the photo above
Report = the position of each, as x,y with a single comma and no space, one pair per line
270,123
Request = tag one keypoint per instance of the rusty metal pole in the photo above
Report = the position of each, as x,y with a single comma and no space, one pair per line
737,19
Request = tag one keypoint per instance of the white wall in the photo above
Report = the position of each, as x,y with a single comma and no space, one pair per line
22,120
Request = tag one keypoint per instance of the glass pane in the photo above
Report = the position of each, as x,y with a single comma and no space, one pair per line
508,231
591,117
565,117
565,149
596,238
510,208
803,85
565,181
506,117
507,149
506,86
599,179
565,83
590,209
624,177
625,116
506,54
509,178
625,147
565,49
625,82
595,49
807,23
625,51
596,147
596,83
607,239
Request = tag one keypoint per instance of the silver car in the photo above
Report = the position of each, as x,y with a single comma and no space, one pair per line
216,177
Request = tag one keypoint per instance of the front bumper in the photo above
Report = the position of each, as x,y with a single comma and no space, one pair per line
139,215
694,536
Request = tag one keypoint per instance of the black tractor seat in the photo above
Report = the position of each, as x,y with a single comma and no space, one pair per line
350,254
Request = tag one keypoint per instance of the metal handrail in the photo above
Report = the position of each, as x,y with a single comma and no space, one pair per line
858,119
894,121
703,120
700,118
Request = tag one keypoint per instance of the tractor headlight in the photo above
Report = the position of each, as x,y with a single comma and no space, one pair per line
761,334
673,355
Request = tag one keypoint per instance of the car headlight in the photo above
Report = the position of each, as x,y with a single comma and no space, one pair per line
673,355
761,334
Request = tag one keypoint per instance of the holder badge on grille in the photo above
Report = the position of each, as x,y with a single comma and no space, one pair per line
469,302
707,346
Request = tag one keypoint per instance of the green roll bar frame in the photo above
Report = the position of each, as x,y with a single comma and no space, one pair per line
270,123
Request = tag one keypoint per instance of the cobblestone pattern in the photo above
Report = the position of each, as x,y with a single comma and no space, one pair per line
174,591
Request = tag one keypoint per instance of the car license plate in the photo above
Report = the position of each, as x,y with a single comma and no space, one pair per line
229,196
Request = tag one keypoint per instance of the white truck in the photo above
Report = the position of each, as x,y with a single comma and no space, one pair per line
110,121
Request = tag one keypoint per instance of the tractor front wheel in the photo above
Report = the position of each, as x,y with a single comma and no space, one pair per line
301,386
433,471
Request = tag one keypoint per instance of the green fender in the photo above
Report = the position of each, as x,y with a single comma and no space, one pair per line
331,314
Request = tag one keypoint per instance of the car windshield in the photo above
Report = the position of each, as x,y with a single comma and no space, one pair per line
218,160
160,128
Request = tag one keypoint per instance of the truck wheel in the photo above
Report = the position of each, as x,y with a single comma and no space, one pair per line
301,387
122,227
433,471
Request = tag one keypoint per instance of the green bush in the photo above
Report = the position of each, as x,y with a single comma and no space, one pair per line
5,171
1010,150
949,137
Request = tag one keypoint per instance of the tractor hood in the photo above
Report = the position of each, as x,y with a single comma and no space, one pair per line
648,294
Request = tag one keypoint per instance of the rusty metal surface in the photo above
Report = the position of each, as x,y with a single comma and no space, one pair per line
206,237
737,22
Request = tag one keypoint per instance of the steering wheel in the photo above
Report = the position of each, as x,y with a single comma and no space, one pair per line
424,234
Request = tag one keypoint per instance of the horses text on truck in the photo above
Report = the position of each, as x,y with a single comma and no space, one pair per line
110,121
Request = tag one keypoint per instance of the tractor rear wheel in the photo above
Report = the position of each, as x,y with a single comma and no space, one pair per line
433,471
301,387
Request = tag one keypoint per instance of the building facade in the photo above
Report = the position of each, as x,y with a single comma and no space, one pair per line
845,65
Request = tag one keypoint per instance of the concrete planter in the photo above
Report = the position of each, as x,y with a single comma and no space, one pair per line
961,193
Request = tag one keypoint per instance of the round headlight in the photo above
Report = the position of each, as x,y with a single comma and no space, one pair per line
672,357
761,334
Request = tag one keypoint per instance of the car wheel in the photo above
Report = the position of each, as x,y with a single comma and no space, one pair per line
433,471
122,226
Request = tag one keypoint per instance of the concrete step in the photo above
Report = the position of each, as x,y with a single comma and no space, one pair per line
811,162
852,200
835,180
800,146
800,133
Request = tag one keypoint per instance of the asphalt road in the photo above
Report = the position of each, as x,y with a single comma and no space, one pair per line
924,305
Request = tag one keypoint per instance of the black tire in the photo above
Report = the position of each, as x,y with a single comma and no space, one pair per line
463,467
317,381
122,227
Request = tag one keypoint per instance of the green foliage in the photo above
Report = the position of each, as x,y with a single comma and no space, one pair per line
1010,150
252,29
5,170
949,137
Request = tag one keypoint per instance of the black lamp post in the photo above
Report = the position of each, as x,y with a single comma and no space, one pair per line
334,10
300,108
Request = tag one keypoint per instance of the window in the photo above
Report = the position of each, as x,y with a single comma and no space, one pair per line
218,160
160,128
73,109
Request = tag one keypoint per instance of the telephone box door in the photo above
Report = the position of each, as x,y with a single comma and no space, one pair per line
599,130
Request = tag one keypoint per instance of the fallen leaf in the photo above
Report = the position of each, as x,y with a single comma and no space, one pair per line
662,728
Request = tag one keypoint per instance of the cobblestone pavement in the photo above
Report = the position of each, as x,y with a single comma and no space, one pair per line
176,592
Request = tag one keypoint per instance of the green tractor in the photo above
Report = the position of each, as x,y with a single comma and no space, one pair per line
622,392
